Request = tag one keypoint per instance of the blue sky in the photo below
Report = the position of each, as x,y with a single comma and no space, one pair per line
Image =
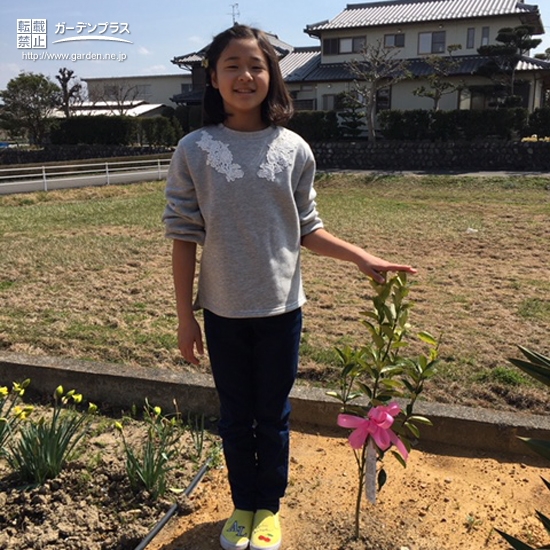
158,29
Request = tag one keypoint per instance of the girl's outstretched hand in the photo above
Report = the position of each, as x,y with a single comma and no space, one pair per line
324,243
376,268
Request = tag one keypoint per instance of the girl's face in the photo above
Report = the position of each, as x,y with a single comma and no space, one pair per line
242,77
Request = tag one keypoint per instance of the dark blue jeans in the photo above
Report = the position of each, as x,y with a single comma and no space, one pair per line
254,364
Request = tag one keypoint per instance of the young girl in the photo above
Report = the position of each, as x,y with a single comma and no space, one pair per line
242,188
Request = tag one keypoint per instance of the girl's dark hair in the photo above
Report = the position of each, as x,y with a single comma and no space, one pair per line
277,107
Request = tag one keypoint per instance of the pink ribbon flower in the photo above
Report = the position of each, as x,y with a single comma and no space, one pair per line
377,425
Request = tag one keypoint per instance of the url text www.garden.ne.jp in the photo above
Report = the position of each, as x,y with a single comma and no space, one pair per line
90,56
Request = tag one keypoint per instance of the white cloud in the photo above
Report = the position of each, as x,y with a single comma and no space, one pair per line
156,69
197,41
143,51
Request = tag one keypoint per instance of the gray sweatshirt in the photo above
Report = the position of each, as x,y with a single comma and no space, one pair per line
247,198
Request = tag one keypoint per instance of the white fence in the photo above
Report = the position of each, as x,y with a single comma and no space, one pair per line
26,179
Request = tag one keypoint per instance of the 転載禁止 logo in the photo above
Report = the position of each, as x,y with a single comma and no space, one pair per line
32,33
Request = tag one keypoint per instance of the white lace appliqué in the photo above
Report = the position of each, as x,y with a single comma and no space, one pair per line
220,157
279,157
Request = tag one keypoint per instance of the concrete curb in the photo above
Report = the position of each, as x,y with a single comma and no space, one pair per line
121,386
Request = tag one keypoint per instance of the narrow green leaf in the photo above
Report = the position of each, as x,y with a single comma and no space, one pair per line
535,357
544,520
539,372
540,446
515,543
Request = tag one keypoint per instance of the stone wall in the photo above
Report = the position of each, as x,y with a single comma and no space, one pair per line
453,156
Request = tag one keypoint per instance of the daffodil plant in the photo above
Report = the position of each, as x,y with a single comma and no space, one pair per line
148,462
44,446
12,411
379,386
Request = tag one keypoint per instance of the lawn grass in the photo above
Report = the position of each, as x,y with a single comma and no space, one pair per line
86,273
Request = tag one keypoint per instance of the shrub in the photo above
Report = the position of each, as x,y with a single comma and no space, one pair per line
539,122
315,125
101,129
157,130
452,125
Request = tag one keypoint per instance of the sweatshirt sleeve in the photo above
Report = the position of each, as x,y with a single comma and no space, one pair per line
182,216
305,196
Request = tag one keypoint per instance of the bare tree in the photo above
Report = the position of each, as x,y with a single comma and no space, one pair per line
376,69
117,96
71,90
438,83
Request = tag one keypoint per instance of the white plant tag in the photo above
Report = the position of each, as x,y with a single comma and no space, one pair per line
370,471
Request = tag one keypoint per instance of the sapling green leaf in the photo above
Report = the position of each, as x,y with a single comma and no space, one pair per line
420,420
382,478
427,338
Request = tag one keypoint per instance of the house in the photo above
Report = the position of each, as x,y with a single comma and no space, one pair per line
153,89
414,30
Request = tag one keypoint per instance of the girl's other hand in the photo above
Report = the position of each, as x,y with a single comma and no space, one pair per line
190,340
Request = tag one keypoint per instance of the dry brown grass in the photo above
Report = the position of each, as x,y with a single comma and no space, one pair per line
86,273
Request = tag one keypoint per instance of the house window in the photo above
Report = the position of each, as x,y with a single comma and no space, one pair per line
471,39
330,46
485,36
304,104
394,40
359,44
346,45
334,46
431,42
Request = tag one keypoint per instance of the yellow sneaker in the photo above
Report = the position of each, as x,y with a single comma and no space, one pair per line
266,531
236,531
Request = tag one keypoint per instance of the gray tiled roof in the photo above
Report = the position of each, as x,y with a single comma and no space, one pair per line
282,49
396,12
299,62
465,65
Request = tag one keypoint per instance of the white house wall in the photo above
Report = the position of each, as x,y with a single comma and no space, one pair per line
161,87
